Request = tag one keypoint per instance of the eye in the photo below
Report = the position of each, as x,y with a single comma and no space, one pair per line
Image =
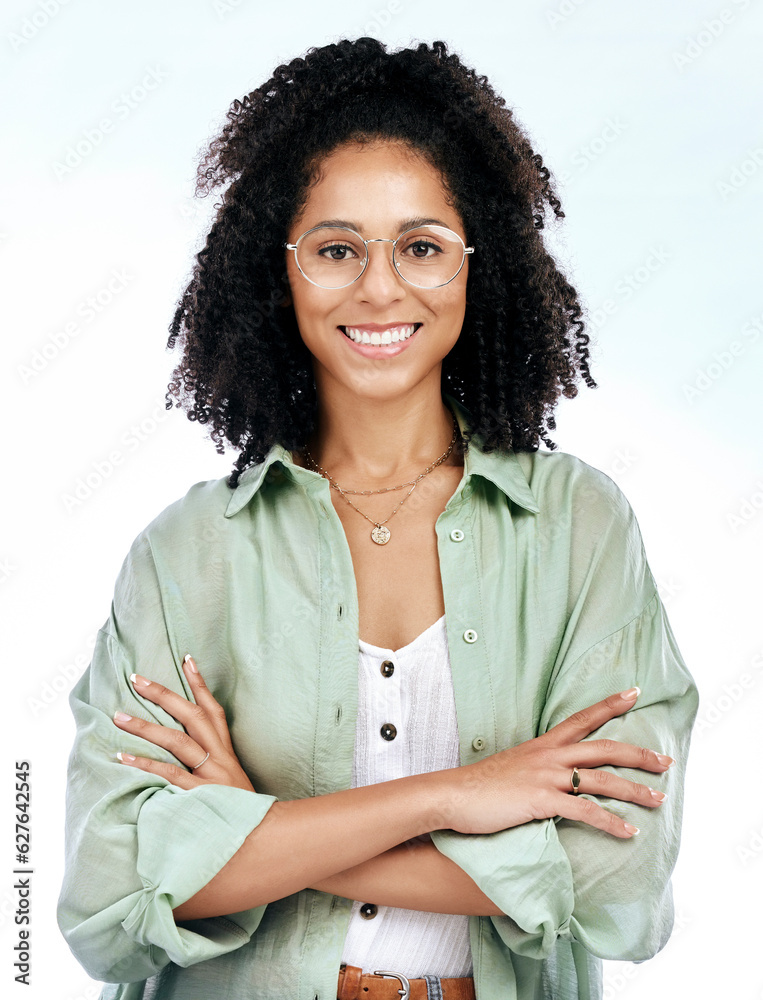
421,248
336,251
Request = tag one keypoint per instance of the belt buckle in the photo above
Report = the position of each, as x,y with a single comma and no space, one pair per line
405,992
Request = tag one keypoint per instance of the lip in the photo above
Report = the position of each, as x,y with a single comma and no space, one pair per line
378,350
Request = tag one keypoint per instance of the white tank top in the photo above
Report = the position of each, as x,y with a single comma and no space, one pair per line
410,689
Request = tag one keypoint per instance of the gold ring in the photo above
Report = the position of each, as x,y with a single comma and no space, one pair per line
575,781
200,763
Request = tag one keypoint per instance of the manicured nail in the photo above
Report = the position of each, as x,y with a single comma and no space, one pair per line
191,664
631,829
125,756
660,796
121,717
665,761
139,681
630,694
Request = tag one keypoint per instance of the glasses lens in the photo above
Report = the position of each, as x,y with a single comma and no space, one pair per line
429,255
331,257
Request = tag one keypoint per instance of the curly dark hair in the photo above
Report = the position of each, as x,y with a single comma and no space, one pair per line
245,368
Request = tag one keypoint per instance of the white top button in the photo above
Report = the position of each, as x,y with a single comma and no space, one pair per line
470,635
457,535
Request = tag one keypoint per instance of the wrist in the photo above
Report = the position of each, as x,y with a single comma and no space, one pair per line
439,798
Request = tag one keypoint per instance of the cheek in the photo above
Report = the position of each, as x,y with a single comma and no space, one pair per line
314,312
307,305
453,304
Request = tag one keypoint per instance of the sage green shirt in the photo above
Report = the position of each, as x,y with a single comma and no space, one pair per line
550,606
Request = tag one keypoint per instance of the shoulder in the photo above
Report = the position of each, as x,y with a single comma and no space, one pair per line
563,482
202,502
584,520
586,533
198,516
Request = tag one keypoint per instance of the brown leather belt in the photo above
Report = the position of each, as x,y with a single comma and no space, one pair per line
354,984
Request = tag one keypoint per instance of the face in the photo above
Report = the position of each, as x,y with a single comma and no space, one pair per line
375,189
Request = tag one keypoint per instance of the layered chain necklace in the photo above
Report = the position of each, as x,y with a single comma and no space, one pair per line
380,533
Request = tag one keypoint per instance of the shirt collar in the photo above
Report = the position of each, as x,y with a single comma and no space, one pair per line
500,467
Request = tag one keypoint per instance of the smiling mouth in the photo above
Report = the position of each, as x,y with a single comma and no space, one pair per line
392,335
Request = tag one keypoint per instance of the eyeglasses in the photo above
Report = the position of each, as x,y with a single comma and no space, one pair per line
335,256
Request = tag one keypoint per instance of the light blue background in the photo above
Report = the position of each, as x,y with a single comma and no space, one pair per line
649,116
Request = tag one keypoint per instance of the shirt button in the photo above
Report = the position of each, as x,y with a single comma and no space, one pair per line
388,731
470,635
457,535
478,743
387,668
368,911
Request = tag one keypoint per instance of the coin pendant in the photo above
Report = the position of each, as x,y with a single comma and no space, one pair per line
380,534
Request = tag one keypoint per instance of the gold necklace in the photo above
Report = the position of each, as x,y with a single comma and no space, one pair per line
381,534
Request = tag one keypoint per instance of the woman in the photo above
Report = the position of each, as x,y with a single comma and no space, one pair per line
382,713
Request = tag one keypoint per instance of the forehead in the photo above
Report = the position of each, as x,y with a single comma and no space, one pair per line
378,150
377,183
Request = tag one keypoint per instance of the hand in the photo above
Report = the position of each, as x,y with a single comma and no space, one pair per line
206,730
532,780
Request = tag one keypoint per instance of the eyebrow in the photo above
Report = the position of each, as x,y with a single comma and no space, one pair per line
402,224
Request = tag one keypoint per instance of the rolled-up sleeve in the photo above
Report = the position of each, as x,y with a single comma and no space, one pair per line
136,845
558,878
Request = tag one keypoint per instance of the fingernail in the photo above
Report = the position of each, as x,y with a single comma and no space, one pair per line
191,664
139,681
125,756
660,796
631,829
665,761
630,694
121,717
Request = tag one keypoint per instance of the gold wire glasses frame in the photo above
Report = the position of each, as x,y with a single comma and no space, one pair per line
442,230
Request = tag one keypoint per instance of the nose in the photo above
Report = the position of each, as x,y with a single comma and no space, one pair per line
380,280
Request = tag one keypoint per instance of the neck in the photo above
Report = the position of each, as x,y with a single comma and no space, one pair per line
376,443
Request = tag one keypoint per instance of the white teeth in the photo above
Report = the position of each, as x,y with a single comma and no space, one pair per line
393,335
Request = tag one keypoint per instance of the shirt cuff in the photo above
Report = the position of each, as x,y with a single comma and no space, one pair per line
526,872
202,828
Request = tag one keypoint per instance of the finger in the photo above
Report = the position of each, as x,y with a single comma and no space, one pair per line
585,721
587,811
593,753
175,775
593,782
205,698
192,716
177,741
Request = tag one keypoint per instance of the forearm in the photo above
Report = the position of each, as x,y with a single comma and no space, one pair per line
412,876
299,843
